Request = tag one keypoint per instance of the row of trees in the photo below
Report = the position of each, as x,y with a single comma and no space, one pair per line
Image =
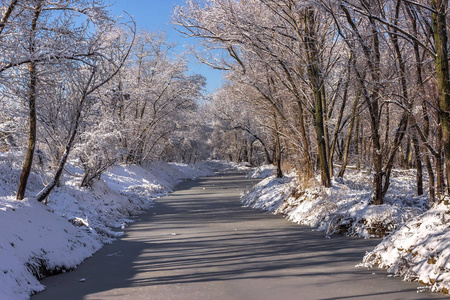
77,83
321,84
314,84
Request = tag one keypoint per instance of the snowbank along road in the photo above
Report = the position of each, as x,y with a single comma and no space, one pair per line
199,243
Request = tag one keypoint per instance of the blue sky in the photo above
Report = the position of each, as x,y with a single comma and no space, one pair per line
155,15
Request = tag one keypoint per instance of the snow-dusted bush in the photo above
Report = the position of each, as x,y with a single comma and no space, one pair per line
343,208
418,251
242,166
8,132
98,149
263,171
270,193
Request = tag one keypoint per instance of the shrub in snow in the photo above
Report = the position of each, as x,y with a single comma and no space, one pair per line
270,193
8,132
242,166
343,208
97,150
262,172
418,251
418,247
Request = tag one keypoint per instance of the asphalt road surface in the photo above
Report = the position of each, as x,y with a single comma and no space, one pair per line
199,243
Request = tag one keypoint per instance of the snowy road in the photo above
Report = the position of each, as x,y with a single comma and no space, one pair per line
199,243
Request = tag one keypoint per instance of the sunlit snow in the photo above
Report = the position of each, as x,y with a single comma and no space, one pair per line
37,239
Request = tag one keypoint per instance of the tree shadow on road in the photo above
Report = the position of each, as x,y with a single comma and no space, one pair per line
201,234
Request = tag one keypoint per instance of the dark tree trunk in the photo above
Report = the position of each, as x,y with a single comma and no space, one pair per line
315,77
439,165
26,170
440,43
278,150
357,143
418,160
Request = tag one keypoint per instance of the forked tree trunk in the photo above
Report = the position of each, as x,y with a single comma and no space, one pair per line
339,121
373,58
349,137
43,194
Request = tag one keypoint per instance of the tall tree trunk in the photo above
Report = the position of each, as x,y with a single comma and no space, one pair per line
236,149
388,123
408,154
425,114
316,83
321,144
26,170
440,43
377,152
250,153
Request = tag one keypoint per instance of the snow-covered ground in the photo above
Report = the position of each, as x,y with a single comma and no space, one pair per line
38,239
344,207
418,251
262,172
417,242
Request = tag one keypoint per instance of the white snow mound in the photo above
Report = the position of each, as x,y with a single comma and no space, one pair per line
418,251
343,208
